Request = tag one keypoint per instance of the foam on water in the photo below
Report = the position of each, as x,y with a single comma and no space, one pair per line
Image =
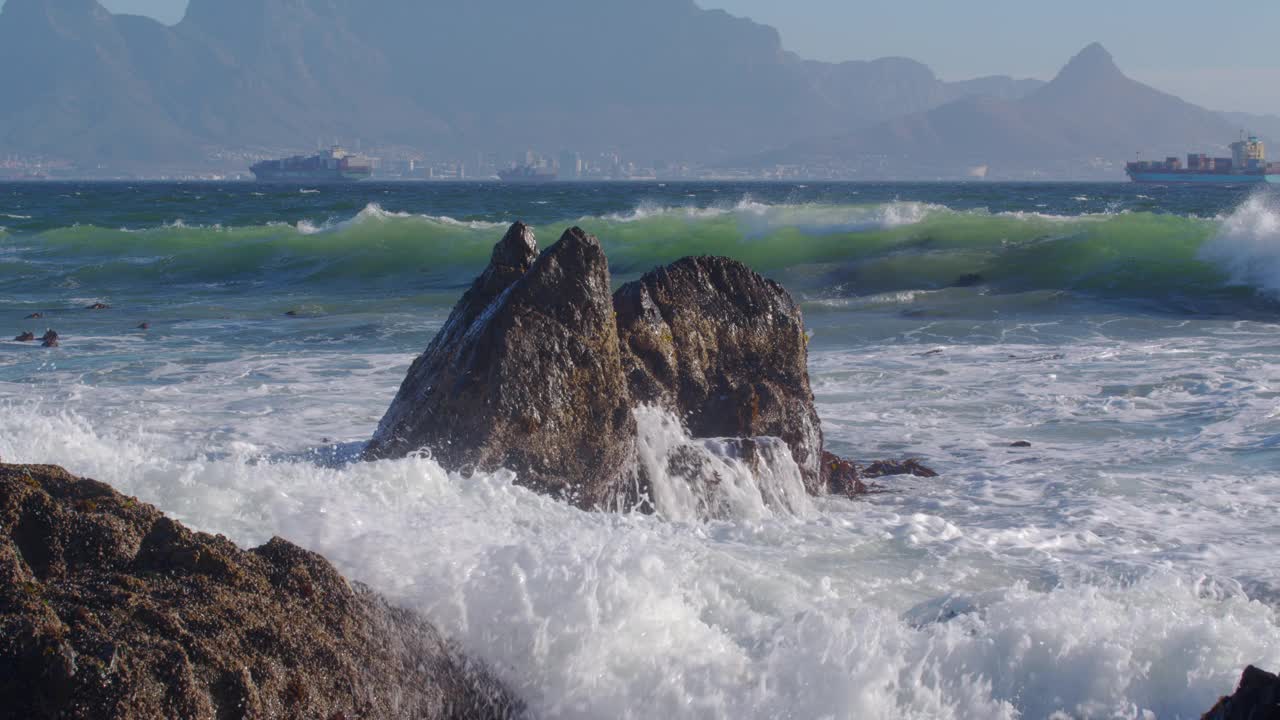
1248,244
593,615
1114,569
695,479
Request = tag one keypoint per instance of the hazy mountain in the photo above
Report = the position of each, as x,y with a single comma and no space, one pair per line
653,79
867,92
1088,120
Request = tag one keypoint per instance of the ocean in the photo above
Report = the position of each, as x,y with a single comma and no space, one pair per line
1122,566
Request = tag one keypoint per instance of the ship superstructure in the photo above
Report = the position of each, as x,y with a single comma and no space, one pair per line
334,166
1247,164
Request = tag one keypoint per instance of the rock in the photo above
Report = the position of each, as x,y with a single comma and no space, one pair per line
25,337
1257,698
726,351
1021,444
841,477
887,468
99,306
35,316
526,375
108,609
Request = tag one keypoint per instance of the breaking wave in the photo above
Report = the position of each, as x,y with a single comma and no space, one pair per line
817,250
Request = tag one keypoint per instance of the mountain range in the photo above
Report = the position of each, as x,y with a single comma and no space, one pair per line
1085,122
652,80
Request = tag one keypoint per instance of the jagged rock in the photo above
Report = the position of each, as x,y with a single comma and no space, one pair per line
108,609
525,375
725,350
842,477
1257,698
887,468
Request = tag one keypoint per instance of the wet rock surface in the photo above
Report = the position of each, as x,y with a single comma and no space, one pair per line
108,609
889,468
842,477
1257,698
526,375
725,350
539,370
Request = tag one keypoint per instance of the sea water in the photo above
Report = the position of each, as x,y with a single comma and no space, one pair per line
1123,566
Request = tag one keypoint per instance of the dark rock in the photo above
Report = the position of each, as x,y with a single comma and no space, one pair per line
1257,698
1021,444
525,375
99,306
110,610
887,468
841,477
726,351
35,316
25,337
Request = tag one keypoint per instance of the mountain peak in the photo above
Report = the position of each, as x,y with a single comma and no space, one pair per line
1092,61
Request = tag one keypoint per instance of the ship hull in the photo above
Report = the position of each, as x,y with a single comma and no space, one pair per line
527,179
1184,178
294,177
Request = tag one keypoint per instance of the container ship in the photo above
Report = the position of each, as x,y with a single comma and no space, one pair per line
334,166
1247,165
528,174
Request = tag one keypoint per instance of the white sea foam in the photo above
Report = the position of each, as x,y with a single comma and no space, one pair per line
696,479
1247,245
1105,572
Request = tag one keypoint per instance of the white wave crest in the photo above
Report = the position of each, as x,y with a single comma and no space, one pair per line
1247,245
757,219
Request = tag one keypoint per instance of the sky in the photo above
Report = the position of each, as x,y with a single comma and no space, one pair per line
960,39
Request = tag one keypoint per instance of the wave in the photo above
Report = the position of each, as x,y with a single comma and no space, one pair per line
1247,245
590,615
820,251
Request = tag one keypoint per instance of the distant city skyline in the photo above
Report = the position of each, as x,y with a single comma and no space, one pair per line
1152,40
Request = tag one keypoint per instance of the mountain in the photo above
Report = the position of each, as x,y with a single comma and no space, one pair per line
1084,123
652,79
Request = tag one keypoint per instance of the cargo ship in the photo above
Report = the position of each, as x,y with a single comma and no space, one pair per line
528,174
1247,165
335,166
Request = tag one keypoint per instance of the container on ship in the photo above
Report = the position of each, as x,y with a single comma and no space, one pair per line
334,166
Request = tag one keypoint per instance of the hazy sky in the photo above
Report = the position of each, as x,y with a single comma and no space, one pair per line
1151,39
